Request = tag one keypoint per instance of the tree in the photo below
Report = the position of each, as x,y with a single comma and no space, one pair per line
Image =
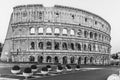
1,47
114,56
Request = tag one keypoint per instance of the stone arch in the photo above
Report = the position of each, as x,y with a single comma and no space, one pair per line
64,46
72,60
31,58
72,32
79,60
85,34
32,45
95,35
72,46
89,47
48,31
40,31
32,30
56,59
91,60
48,59
48,45
78,46
85,60
40,59
57,31
64,60
40,45
84,47
64,32
56,45
91,34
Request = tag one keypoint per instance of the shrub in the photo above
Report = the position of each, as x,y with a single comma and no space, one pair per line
33,67
68,66
77,66
60,67
27,70
48,66
44,69
15,67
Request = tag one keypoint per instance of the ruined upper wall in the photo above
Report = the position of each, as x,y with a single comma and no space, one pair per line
59,14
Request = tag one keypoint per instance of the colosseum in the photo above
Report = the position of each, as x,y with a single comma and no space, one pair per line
58,34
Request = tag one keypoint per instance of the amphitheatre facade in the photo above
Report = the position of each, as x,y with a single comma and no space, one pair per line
56,34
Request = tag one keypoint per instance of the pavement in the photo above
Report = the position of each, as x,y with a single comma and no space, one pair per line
88,72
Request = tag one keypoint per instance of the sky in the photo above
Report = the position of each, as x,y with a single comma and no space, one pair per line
107,9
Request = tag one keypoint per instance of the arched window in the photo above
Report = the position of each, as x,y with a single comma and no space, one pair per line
99,36
95,35
40,31
89,47
91,35
94,47
32,45
78,46
64,46
32,30
48,45
48,59
79,32
56,45
72,32
57,31
65,32
48,31
72,46
40,45
84,47
85,34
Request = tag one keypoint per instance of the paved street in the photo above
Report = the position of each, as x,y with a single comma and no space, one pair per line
86,73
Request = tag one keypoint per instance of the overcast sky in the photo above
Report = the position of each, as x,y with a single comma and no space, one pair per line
107,9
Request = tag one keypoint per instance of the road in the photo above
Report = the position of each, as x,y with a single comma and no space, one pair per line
100,74
95,74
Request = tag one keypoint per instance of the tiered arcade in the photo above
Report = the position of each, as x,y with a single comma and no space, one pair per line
56,34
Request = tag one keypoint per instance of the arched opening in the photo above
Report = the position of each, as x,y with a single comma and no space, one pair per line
72,60
48,45
94,47
32,30
48,31
49,59
91,35
85,60
64,46
84,47
32,45
64,60
72,46
56,60
40,31
72,32
56,45
91,60
64,32
85,34
40,59
31,58
99,36
95,35
79,60
40,45
78,46
89,47
57,31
